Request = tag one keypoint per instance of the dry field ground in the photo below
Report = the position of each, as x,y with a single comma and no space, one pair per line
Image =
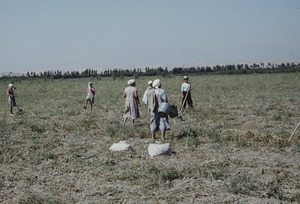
231,148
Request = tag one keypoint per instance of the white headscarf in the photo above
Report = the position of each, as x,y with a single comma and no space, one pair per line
131,81
156,83
150,82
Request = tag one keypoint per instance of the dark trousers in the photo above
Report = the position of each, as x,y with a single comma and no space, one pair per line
188,99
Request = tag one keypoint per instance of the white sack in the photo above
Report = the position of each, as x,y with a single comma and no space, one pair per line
157,149
121,146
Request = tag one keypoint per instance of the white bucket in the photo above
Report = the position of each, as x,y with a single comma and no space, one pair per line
164,109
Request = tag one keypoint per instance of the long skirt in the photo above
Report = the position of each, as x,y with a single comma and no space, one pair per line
131,110
158,123
90,97
11,102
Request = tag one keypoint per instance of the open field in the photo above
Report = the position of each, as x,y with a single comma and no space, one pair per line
231,148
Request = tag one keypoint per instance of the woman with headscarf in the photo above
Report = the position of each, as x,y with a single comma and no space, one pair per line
155,97
90,95
11,98
131,103
145,100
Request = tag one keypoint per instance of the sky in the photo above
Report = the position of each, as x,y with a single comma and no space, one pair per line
67,35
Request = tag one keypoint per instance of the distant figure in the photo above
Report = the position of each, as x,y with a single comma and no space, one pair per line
155,97
145,93
131,103
11,98
90,95
186,94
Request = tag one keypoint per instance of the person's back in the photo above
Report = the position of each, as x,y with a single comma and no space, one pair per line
130,91
149,88
160,96
186,86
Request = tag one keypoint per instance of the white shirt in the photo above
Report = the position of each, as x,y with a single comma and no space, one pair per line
145,100
186,86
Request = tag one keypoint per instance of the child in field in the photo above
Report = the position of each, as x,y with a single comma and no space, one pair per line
186,94
11,98
90,95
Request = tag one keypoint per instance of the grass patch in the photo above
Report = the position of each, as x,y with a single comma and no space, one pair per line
239,124
149,175
241,185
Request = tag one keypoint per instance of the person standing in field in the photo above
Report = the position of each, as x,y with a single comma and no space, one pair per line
11,98
145,93
186,94
156,96
131,103
90,95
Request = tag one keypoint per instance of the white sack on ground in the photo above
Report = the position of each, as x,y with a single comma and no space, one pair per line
121,146
157,149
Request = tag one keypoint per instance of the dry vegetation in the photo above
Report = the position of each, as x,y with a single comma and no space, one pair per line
231,148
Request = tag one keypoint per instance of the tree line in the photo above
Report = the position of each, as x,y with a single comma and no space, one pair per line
164,72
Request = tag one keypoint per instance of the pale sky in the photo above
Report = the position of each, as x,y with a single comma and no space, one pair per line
40,35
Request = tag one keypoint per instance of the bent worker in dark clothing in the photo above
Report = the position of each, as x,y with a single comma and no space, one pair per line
186,94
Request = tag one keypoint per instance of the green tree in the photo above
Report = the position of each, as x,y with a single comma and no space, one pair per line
113,74
122,75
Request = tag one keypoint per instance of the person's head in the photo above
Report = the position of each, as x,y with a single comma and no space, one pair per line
150,83
10,86
131,82
156,84
90,84
186,78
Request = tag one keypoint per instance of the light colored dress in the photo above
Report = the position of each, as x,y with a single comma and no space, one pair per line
145,100
131,106
11,101
90,95
157,122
